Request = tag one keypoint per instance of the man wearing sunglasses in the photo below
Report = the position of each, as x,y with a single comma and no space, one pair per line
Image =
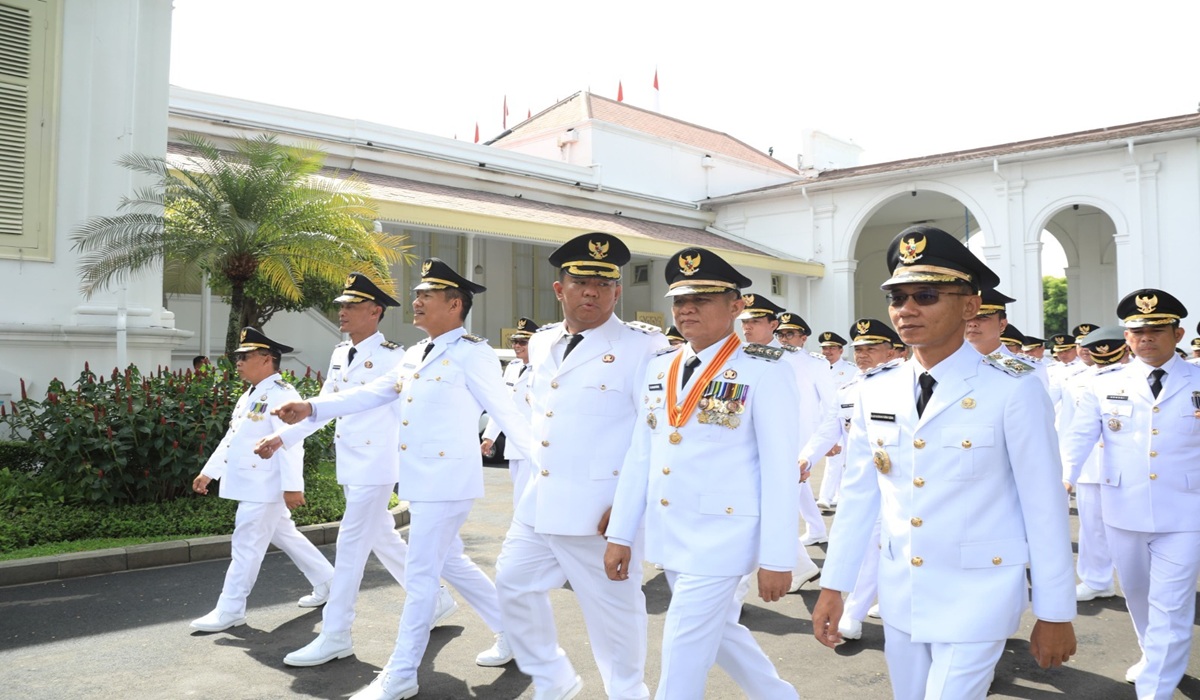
957,454
516,378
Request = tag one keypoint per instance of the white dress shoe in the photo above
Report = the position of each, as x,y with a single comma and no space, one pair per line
497,655
321,650
387,687
1084,592
560,692
807,576
1132,673
850,628
317,598
446,606
810,540
826,507
873,611
217,621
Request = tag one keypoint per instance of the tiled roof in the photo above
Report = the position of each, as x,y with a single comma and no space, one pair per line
583,106
1113,133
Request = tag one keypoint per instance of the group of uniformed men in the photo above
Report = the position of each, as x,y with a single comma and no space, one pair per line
946,469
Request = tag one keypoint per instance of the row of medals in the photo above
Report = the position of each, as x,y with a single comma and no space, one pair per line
254,414
713,411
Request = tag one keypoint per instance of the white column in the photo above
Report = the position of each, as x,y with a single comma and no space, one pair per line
1030,319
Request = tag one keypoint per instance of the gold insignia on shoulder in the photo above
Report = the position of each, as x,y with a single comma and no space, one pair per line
862,327
1146,304
689,264
471,337
598,249
968,402
911,249
730,374
609,359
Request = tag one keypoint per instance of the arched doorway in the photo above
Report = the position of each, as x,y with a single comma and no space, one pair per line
1086,233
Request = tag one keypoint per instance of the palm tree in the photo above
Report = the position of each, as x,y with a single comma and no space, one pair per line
262,212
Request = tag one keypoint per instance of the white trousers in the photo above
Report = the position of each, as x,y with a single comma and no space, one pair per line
1158,577
530,566
435,550
939,671
519,470
256,526
831,482
1095,565
702,628
366,527
866,586
814,523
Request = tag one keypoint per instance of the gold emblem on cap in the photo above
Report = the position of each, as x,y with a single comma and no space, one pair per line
426,267
862,327
1101,349
689,264
349,280
826,336
749,299
968,402
1085,329
1146,304
785,318
598,249
243,338
911,249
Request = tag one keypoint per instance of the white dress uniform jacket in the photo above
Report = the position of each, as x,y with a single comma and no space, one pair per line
719,490
584,411
516,378
971,494
1150,462
441,398
367,446
842,372
244,475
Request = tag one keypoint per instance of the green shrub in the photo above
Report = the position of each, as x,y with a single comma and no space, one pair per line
129,437
18,456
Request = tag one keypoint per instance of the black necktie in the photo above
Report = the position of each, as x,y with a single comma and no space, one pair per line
523,368
689,367
1156,381
575,340
428,348
927,383
353,352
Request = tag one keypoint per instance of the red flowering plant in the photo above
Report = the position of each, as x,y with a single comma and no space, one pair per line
127,437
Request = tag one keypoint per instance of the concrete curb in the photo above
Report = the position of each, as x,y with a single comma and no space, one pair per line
145,556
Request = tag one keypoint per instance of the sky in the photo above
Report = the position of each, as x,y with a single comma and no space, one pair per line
898,79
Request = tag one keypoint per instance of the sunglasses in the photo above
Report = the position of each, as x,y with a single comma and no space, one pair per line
240,356
925,297
519,342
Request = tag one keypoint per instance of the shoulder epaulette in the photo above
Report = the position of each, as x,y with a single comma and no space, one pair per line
1007,364
646,328
787,348
472,338
548,326
890,364
762,352
1110,368
390,345
667,350
818,355
283,384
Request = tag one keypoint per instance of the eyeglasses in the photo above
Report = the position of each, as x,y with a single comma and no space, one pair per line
787,334
241,356
519,342
925,297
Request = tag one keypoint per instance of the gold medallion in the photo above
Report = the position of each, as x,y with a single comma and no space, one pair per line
1114,424
704,418
882,461
968,402
675,438
652,421
399,386
733,422
730,374
368,364
609,359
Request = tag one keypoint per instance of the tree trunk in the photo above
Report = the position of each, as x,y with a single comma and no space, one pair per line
233,330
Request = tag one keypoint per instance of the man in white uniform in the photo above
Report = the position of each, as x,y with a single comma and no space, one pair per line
1107,348
443,384
1147,416
986,332
833,347
368,459
712,474
958,456
584,394
266,490
516,378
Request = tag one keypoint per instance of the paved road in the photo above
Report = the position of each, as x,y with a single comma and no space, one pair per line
125,636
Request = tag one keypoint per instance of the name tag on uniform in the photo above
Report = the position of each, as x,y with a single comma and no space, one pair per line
337,366
655,387
409,365
889,417
850,405
1117,397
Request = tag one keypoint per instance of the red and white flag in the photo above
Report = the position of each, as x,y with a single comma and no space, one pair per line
476,132
657,102
504,123
620,92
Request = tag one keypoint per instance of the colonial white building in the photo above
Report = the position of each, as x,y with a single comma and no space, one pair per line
83,82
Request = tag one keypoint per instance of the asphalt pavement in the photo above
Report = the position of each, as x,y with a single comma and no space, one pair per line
125,635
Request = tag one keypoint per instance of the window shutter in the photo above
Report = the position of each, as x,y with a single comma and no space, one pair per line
16,45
